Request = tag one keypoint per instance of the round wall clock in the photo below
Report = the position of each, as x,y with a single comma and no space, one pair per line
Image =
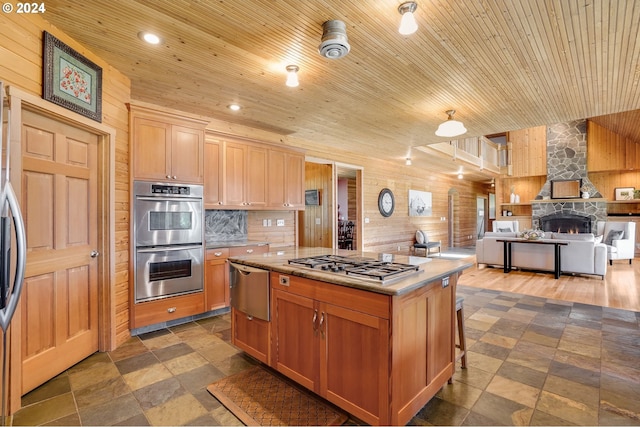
386,203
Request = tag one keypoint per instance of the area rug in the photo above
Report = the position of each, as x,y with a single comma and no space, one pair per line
259,397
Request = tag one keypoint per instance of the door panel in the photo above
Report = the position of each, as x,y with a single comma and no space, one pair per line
60,294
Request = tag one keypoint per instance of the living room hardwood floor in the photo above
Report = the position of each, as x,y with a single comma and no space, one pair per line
620,287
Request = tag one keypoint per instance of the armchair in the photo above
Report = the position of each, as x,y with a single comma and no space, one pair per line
620,238
509,226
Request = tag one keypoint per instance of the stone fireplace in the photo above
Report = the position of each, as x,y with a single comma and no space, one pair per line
567,160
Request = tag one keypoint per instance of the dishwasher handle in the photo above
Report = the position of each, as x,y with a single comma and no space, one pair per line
245,270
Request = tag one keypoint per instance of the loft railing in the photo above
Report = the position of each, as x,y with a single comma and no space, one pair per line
477,151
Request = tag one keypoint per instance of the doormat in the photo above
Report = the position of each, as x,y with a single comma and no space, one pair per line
259,397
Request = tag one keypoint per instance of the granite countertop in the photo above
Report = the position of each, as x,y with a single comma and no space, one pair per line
233,243
430,268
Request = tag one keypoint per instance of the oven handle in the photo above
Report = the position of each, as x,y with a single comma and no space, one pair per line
168,249
168,199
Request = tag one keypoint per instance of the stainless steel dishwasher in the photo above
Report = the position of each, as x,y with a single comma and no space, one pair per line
250,290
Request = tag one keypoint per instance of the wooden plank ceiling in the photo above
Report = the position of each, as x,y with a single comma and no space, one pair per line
502,65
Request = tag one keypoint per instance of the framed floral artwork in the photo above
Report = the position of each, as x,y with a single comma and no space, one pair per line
71,80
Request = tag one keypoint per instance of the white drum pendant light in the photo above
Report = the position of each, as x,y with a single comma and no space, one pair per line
335,43
451,127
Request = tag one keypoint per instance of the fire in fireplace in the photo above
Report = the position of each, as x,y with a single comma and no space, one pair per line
565,223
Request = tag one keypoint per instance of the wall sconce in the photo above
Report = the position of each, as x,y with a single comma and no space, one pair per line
493,182
451,128
408,24
292,76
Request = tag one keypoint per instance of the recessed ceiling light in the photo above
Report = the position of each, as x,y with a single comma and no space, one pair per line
149,37
233,107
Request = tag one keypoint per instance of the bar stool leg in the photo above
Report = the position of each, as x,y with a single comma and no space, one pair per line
462,354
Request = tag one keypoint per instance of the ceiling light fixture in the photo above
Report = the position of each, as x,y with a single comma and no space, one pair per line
149,37
493,182
234,107
460,176
408,24
292,76
451,127
408,161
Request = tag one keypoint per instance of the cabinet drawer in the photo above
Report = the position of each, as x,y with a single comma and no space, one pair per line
167,309
378,305
248,250
217,253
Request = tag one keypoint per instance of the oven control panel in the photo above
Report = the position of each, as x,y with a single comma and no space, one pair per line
183,190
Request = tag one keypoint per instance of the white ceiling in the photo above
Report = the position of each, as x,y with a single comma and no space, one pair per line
503,65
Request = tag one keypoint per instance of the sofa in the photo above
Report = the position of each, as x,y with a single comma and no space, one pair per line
620,238
582,255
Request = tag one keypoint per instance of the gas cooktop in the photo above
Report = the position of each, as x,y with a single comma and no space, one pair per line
383,272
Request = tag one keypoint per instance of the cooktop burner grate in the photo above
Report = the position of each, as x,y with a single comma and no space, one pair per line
361,267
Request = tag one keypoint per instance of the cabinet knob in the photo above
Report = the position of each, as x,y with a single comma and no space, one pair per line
217,253
168,176
175,177
249,251
171,310
249,317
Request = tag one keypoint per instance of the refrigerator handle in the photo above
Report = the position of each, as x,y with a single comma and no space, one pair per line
13,295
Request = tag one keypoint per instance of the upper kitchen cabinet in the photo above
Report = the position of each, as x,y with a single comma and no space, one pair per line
251,175
286,180
166,146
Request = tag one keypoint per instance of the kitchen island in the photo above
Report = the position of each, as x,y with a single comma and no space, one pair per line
378,349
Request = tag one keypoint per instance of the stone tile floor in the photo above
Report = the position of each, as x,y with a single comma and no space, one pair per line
531,361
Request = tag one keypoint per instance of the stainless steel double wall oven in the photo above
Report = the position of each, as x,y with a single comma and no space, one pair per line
168,239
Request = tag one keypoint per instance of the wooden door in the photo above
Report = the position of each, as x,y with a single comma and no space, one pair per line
295,337
151,149
187,154
353,346
60,294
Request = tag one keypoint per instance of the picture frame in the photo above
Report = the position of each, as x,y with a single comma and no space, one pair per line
624,193
70,79
312,197
420,203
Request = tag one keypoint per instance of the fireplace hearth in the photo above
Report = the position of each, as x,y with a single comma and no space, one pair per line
565,223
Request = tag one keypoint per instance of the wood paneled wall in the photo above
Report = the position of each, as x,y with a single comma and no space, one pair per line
21,66
608,151
277,237
528,151
315,228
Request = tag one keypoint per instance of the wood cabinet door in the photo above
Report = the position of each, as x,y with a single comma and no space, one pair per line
212,174
216,279
353,346
187,154
151,149
59,302
295,322
256,176
295,180
276,179
251,335
234,170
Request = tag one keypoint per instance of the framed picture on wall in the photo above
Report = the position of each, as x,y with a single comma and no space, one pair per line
624,193
71,80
